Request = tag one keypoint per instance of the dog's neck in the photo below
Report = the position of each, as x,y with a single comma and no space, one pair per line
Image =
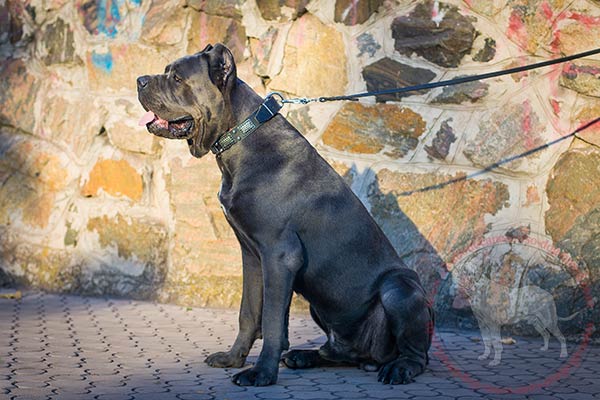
244,101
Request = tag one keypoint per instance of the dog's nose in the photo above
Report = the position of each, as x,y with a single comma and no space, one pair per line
142,81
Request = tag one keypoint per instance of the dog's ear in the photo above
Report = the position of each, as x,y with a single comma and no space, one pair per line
222,67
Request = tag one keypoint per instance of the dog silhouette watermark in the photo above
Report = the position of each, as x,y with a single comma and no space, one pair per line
495,304
520,280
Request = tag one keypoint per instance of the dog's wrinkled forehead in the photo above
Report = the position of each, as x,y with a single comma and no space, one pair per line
209,63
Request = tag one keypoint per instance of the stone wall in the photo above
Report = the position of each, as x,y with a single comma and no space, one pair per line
91,203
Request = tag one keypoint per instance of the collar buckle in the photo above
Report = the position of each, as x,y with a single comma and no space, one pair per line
267,110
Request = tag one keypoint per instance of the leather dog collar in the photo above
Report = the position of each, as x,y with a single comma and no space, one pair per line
267,110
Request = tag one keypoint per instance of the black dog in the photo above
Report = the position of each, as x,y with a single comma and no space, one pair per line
300,229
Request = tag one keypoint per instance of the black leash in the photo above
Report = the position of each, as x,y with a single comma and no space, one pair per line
497,164
270,107
449,82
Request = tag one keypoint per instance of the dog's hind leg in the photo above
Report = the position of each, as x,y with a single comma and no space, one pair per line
539,327
410,319
300,359
563,343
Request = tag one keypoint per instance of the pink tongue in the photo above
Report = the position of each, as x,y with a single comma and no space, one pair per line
147,118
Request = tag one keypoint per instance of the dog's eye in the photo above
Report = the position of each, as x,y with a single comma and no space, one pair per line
177,78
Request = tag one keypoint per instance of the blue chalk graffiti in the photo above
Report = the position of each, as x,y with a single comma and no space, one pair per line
103,62
103,16
108,17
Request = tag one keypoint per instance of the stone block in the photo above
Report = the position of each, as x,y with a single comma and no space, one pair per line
224,8
203,241
573,191
530,25
359,128
302,120
117,66
72,120
449,217
588,112
27,264
582,77
367,44
131,257
57,45
390,74
488,8
164,22
467,92
435,31
210,29
127,137
579,36
11,24
123,130
18,92
34,174
314,62
281,10
200,290
487,52
350,12
440,145
532,196
582,242
114,177
106,18
508,131
262,49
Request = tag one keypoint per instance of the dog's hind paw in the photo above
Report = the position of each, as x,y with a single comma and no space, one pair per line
399,372
255,377
299,359
224,359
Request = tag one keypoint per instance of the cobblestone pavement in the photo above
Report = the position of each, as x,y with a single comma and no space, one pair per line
69,347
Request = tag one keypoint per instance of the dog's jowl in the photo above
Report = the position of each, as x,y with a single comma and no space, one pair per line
300,229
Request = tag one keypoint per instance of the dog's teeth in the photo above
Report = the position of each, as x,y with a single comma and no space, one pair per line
147,118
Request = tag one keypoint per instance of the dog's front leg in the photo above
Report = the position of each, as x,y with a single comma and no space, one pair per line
250,316
279,269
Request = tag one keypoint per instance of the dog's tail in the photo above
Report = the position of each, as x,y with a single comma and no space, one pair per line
570,317
576,313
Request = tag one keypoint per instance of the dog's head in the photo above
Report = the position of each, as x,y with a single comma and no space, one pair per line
191,100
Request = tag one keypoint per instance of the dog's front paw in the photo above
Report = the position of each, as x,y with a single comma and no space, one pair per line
255,377
399,372
225,359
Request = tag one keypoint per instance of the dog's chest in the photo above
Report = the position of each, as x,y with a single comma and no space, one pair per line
225,197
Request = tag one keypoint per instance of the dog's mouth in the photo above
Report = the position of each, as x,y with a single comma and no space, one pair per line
179,128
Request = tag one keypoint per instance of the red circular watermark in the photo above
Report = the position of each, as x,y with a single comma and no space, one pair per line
537,247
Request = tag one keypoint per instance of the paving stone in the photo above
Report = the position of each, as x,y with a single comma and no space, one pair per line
338,387
423,392
30,384
275,395
204,396
389,394
349,395
316,395
150,389
156,396
114,397
575,396
36,393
